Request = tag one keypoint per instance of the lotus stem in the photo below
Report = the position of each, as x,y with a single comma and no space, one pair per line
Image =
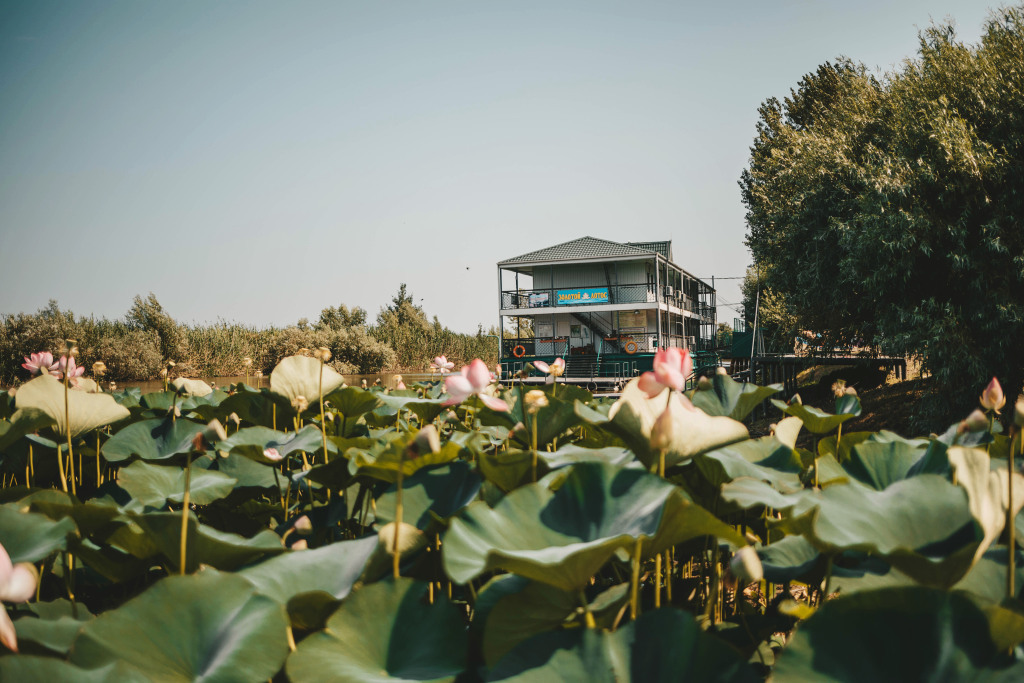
669,569
396,560
634,591
533,443
711,611
323,424
588,616
273,416
99,475
828,579
657,581
67,429
31,464
1011,566
184,513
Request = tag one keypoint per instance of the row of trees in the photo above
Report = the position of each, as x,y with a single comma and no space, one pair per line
889,208
138,346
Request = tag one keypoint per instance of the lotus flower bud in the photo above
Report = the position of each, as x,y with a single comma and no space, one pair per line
272,454
721,371
427,440
303,526
796,400
247,362
171,363
746,565
1018,412
975,422
214,431
704,384
663,431
362,383
163,373
300,403
850,391
839,388
534,400
233,417
302,352
323,354
992,398
113,385
300,545
99,368
259,373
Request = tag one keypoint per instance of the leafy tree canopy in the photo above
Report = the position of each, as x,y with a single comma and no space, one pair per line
890,208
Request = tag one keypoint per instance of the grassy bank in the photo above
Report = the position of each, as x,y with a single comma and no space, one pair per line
137,346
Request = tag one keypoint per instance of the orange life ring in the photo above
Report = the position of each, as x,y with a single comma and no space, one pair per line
519,351
629,347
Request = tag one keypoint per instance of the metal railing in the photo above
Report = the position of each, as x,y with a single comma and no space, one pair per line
535,346
548,298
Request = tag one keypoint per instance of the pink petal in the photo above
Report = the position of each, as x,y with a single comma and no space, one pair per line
669,376
459,388
649,385
21,585
687,363
542,366
5,566
559,364
494,403
8,636
479,375
272,454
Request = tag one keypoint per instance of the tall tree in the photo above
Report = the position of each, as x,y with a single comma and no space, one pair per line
891,209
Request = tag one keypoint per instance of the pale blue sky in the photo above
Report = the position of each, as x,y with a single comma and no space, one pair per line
258,161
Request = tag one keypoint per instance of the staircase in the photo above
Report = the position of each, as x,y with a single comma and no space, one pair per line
581,366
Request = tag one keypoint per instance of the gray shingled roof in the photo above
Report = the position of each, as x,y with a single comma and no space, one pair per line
582,248
664,248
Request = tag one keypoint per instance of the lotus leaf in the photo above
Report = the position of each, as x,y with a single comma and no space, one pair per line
302,376
767,459
384,632
33,668
257,407
426,409
310,581
816,421
730,398
191,387
156,439
663,645
29,536
436,492
252,442
632,417
563,537
209,627
879,464
205,545
86,411
154,485
353,402
896,634
788,559
50,626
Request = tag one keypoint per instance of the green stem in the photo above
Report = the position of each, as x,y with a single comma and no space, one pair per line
67,430
1011,567
533,443
588,616
634,591
323,424
184,512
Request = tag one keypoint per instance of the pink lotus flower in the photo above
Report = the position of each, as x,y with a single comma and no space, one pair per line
67,364
556,369
40,362
472,380
272,454
992,398
442,365
671,369
17,584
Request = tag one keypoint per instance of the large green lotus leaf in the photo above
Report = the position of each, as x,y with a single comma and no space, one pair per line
50,627
251,442
208,626
730,398
154,485
384,632
156,439
257,407
353,401
840,448
383,463
632,417
248,473
510,469
563,537
571,454
788,559
205,545
767,459
513,609
191,387
86,411
848,404
431,493
35,668
663,645
553,420
426,409
309,582
879,464
897,635
817,421
303,376
29,536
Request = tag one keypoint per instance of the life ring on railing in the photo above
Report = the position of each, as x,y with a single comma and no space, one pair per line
518,350
629,347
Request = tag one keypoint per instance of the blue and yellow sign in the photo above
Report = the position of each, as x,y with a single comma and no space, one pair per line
577,297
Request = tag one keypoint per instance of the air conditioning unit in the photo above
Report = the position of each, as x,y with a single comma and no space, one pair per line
670,291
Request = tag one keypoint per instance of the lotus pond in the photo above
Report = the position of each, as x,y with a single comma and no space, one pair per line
312,531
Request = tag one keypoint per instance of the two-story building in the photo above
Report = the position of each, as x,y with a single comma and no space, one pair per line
604,306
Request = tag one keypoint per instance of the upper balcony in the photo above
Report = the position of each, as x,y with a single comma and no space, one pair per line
643,295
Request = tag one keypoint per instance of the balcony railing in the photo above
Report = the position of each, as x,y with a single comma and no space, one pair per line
548,298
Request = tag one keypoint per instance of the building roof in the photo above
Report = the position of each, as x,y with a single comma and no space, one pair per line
587,248
663,248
